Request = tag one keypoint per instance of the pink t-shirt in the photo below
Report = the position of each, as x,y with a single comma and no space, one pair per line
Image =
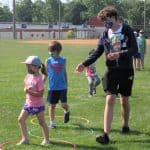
91,70
36,84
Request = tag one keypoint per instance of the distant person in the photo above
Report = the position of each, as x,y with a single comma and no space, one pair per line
57,82
92,77
136,57
142,47
34,105
119,44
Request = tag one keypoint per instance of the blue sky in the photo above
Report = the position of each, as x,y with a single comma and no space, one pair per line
9,2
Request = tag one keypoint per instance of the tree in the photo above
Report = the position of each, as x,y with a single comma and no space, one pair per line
38,11
73,12
52,10
136,15
24,10
5,14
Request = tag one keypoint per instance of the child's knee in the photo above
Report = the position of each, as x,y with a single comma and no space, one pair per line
52,106
21,120
42,123
64,105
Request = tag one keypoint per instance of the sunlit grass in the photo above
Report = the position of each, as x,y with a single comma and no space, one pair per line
87,113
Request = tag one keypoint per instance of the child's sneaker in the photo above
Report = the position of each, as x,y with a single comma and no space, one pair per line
45,143
66,117
52,126
94,91
102,139
90,95
125,130
23,142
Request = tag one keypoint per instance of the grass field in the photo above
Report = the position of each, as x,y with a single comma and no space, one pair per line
86,113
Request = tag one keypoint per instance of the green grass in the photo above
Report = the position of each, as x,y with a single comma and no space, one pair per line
87,113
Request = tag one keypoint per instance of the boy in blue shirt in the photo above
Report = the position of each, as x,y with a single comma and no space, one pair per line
57,82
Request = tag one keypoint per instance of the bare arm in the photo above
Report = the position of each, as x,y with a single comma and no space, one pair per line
44,77
34,93
66,74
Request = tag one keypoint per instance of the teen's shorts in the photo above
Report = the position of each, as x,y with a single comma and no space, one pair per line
33,110
118,81
55,95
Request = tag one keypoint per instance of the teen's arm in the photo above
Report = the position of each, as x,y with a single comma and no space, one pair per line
90,59
94,56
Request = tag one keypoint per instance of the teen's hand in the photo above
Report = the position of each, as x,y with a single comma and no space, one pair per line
113,56
80,67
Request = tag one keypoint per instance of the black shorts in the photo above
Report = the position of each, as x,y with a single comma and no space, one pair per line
137,55
118,81
55,95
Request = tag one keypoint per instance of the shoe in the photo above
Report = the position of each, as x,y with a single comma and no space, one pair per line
45,143
125,130
52,126
94,91
66,117
90,95
102,139
23,142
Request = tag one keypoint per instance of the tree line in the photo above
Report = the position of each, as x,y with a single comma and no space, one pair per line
75,11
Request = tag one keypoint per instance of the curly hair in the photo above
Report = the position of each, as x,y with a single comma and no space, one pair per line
109,11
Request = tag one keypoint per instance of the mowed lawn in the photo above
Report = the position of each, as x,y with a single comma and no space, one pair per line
86,113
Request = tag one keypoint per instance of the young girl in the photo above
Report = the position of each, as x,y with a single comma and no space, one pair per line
93,78
34,89
57,84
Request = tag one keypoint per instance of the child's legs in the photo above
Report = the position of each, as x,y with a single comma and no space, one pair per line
63,99
142,60
43,124
65,107
91,85
138,63
21,119
52,98
52,111
134,63
97,80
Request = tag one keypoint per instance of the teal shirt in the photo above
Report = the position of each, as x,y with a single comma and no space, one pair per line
56,73
142,44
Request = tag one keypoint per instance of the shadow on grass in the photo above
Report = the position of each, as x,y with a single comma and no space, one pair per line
77,146
139,141
132,132
56,145
145,70
106,147
79,127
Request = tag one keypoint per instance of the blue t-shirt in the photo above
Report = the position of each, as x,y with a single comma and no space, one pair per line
56,73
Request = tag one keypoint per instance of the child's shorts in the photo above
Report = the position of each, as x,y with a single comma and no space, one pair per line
33,110
55,95
137,55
